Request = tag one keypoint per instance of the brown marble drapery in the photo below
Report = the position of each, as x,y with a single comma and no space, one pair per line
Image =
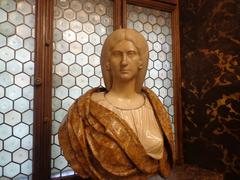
99,144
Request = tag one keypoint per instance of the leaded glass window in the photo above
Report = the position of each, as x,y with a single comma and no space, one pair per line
17,28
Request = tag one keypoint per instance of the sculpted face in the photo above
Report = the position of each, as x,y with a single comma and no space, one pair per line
124,62
130,38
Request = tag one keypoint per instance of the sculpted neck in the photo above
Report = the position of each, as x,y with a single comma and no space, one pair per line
124,96
123,89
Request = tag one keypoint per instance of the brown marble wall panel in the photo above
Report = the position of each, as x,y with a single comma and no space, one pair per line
210,56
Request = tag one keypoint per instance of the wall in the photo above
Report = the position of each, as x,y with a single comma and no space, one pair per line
210,46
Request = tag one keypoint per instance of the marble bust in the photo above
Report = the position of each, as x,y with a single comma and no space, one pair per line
121,131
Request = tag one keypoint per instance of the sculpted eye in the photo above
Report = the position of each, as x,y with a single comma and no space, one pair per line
131,53
116,53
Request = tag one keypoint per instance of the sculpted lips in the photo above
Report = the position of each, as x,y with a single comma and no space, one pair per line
124,70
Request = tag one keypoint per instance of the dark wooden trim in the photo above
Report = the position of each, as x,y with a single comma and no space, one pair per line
42,90
177,84
72,177
159,5
38,90
117,20
48,86
174,2
124,13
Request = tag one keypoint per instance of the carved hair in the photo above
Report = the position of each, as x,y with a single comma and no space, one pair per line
139,42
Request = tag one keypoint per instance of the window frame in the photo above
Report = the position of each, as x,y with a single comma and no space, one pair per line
43,78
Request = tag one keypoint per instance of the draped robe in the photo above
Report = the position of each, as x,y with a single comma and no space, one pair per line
98,144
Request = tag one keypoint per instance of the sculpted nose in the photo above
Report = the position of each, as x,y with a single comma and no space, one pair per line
124,59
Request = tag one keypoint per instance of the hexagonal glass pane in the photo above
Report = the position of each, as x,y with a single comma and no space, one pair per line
14,67
94,18
60,114
7,29
12,118
2,91
5,157
6,79
6,105
55,151
62,24
66,103
82,37
6,53
69,36
15,42
100,9
55,127
8,5
61,69
75,47
68,58
88,70
82,16
21,105
29,68
21,130
75,92
69,14
61,92
11,170
24,7
29,44
11,144
56,80
62,46
20,155
27,142
6,131
76,5
60,162
28,92
3,40
26,167
94,81
76,26
88,28
27,117
57,12
22,80
88,49
23,55
30,20
15,18
68,81
24,31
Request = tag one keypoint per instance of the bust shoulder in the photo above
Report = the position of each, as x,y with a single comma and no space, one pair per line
97,96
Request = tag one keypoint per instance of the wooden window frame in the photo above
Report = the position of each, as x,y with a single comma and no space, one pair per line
43,78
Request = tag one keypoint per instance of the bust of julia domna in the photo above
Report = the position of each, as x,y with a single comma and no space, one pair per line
121,131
